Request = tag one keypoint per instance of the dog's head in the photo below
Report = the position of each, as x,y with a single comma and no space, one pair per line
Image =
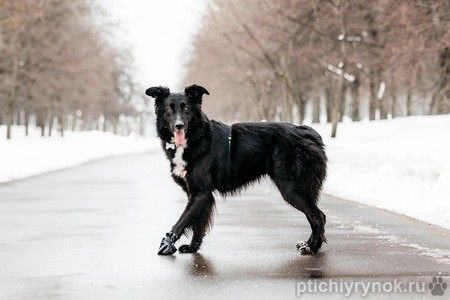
176,113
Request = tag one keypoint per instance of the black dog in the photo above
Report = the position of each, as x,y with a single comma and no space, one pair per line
207,156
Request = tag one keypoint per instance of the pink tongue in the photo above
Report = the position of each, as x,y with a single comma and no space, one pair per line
179,138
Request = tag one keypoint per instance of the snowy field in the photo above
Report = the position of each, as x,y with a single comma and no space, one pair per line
402,165
23,156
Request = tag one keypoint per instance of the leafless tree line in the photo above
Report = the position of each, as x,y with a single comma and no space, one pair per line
58,70
290,59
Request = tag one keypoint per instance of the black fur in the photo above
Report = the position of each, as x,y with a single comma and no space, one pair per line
228,158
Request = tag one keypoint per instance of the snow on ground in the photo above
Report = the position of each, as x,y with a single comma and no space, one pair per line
23,156
402,165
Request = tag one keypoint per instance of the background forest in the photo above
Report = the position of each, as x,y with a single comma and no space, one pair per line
291,60
59,70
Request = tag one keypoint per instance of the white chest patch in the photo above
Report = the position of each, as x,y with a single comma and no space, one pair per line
179,168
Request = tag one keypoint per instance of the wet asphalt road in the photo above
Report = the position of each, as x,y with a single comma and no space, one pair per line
92,232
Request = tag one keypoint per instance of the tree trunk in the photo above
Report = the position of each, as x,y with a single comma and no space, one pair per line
342,102
329,104
408,103
301,109
338,111
9,120
356,100
373,101
61,125
394,100
342,96
383,108
27,122
8,131
40,122
394,104
434,99
50,125
316,109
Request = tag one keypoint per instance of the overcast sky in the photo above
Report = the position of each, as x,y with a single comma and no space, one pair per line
158,33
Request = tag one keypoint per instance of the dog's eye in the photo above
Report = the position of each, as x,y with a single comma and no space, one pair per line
172,106
183,105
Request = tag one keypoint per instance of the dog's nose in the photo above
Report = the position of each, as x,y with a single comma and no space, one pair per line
179,126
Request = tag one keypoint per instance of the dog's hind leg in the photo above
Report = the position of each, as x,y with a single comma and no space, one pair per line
317,220
292,194
200,225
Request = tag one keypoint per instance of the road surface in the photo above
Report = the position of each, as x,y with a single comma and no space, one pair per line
92,232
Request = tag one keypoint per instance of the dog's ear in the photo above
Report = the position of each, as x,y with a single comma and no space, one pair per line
195,92
158,92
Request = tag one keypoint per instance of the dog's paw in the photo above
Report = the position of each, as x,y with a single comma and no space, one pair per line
167,246
304,248
167,249
187,249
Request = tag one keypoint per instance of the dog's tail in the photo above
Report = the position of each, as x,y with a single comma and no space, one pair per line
311,133
312,161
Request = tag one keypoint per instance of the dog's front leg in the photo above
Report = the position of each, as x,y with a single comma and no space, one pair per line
192,210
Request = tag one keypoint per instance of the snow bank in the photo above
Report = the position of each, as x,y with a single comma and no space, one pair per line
23,156
402,165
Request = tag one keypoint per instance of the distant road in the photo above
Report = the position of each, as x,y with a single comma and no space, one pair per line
92,232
